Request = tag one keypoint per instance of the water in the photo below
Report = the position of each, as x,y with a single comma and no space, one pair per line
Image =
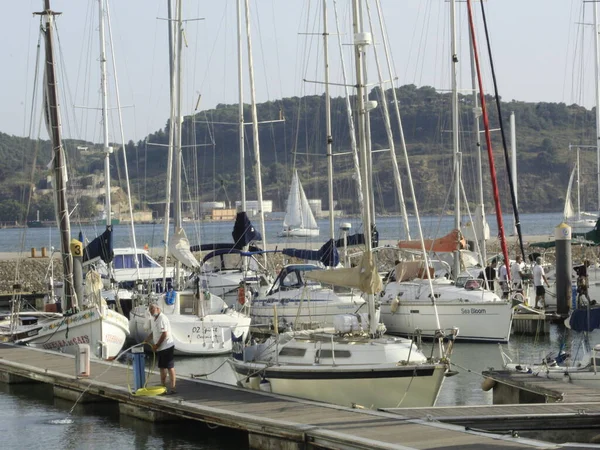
30,417
390,228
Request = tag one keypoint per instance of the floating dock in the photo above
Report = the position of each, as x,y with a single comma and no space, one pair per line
271,421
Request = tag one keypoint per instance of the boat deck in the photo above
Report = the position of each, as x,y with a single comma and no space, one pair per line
271,421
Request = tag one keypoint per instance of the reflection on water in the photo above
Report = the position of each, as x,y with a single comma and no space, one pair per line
30,417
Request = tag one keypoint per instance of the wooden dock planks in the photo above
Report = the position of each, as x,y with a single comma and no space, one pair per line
306,423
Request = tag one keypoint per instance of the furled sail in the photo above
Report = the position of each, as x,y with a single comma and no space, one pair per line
179,247
364,276
328,254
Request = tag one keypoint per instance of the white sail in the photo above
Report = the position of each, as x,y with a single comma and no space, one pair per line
298,213
179,247
568,212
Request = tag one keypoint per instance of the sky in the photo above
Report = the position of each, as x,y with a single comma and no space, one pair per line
538,49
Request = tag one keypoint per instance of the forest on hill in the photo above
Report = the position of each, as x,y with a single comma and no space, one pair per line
292,136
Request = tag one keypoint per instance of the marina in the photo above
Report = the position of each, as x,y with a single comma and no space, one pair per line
271,421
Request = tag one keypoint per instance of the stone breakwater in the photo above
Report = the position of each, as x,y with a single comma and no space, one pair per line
31,273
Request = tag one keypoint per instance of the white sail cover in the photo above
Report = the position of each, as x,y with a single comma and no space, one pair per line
298,213
179,247
364,276
569,212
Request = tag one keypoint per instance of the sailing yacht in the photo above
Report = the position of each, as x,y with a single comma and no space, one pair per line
299,220
87,319
201,323
353,364
578,220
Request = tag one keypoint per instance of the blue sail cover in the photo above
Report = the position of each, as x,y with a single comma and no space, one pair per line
101,247
359,239
579,319
328,254
243,231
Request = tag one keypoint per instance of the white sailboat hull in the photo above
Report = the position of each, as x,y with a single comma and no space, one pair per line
299,232
482,322
479,315
372,373
103,329
194,336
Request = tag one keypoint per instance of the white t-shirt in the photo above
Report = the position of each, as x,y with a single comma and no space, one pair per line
159,325
538,275
515,271
502,273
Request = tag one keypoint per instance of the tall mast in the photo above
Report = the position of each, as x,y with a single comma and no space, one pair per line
241,107
328,137
597,84
259,192
513,161
480,220
177,125
455,147
59,163
107,148
578,188
361,40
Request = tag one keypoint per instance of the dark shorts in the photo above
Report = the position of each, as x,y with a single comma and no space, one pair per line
540,291
165,358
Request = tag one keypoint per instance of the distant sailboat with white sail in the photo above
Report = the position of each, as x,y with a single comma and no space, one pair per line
299,220
573,216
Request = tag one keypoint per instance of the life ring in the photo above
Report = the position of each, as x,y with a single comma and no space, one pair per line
170,297
241,295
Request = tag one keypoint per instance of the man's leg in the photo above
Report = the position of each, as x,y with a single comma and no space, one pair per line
163,377
172,377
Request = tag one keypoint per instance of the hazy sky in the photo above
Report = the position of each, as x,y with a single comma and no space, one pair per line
536,45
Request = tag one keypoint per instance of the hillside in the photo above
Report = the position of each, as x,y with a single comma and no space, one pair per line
544,132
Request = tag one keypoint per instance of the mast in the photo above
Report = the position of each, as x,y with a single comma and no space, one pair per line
455,145
241,108
480,218
513,161
177,218
259,192
488,141
361,40
597,83
107,148
578,187
52,115
328,137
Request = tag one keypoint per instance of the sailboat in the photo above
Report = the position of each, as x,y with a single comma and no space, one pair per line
415,299
93,323
354,364
579,221
201,323
299,220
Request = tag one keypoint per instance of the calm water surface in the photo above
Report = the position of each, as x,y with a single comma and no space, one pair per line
390,228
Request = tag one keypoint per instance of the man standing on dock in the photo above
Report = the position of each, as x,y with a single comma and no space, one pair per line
539,278
516,274
164,346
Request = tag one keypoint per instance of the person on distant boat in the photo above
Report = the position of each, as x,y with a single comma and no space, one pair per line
582,281
516,274
489,274
503,277
164,346
539,278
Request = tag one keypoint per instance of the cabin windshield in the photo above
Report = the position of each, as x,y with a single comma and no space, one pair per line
128,261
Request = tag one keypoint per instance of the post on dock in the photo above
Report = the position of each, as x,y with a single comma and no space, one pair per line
562,237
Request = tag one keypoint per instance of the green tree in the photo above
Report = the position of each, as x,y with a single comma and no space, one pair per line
11,211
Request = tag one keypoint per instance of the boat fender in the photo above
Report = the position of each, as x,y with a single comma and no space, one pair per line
170,297
488,384
395,304
241,295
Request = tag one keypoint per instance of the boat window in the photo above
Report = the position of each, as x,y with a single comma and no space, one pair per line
128,261
337,354
146,262
291,351
291,279
461,281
